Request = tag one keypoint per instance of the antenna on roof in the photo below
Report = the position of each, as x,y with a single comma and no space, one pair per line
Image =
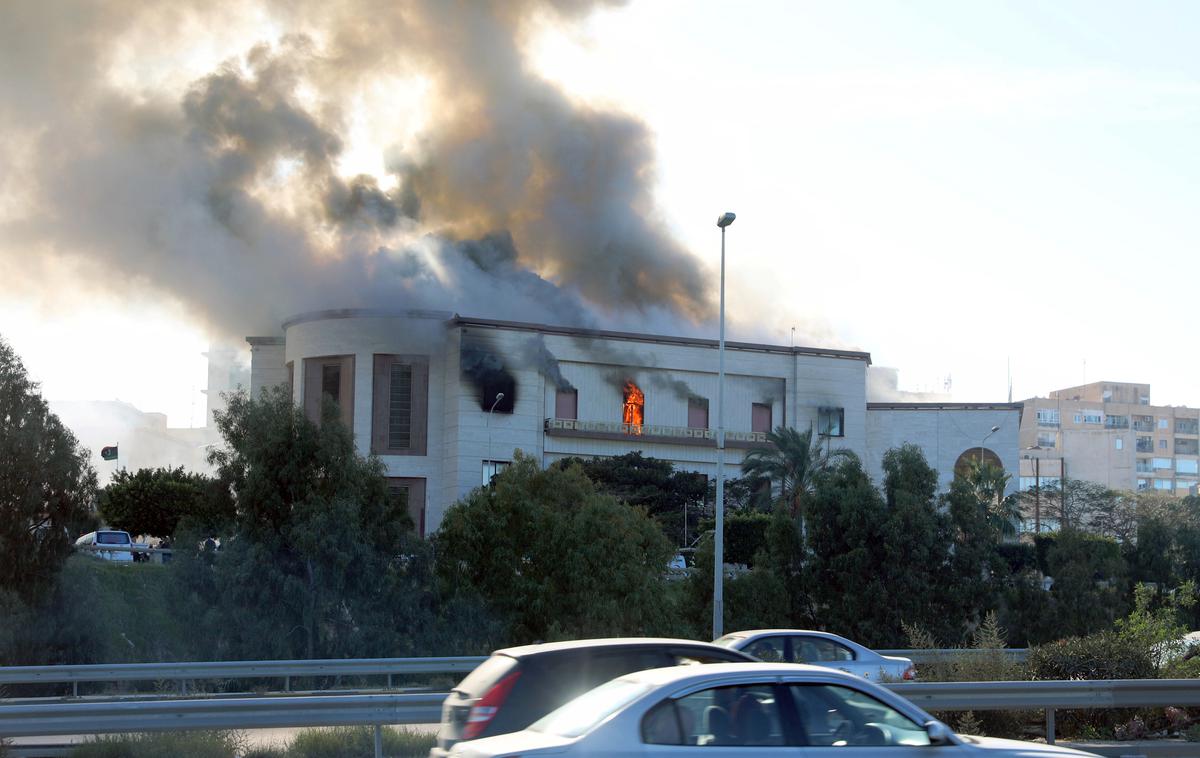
1010,379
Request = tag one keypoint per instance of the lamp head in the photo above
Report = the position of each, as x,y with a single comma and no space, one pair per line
995,428
726,219
500,396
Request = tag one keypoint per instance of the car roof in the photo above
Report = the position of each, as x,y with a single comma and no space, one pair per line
682,674
612,642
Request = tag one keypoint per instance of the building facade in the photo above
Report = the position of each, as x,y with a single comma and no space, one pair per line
445,401
1109,433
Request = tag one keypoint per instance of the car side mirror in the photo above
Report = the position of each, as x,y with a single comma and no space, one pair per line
939,733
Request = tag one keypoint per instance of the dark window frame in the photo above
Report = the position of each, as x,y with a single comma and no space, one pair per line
314,387
381,404
824,422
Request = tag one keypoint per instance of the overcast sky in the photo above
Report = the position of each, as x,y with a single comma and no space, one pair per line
950,186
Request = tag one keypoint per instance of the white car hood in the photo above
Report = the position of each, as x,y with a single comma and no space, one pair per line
987,745
522,743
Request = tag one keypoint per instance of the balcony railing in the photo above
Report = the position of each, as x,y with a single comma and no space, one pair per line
678,434
1116,422
1143,426
1145,447
1048,422
1187,427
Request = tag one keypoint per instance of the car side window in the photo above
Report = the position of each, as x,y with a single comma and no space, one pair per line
769,649
820,650
660,725
607,666
835,716
740,716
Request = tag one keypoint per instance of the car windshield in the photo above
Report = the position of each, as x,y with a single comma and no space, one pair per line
730,640
586,711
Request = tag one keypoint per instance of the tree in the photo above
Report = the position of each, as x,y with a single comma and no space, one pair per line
554,557
651,484
1076,503
791,460
154,501
845,571
321,556
47,486
990,482
915,538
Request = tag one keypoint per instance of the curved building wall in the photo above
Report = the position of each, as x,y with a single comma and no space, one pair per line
365,348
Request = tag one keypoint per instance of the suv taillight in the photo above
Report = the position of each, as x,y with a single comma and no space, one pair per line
484,710
910,673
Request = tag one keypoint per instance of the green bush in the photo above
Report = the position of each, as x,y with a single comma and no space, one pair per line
191,744
1104,655
359,742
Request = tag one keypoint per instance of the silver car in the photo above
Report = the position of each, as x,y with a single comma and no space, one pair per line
773,709
820,649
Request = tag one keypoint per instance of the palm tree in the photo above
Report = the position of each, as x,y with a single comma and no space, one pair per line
989,482
791,460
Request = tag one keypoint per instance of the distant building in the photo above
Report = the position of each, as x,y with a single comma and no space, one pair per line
1109,433
143,439
444,401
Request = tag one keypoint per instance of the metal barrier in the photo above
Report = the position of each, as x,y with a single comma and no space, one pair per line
185,672
46,719
1049,696
286,670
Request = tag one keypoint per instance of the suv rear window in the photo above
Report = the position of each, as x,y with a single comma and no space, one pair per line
485,675
112,538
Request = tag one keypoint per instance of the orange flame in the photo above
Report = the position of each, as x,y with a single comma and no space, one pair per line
635,408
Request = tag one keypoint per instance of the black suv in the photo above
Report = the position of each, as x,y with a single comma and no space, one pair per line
518,685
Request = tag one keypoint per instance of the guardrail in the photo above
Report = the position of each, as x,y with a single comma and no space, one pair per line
193,671
43,719
182,673
46,719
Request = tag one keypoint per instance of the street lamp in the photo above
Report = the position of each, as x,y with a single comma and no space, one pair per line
989,434
489,462
719,540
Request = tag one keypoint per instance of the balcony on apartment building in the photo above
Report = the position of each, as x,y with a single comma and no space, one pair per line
1187,426
676,435
1116,422
1143,423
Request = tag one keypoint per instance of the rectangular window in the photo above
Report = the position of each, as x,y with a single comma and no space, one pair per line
1186,446
400,397
332,378
491,469
1162,463
760,418
409,493
1093,417
1143,484
1048,417
1143,423
400,405
1162,444
1078,418
1186,426
1145,444
829,422
1047,440
1143,466
566,404
1164,423
1120,443
1116,422
1186,466
698,413
1163,484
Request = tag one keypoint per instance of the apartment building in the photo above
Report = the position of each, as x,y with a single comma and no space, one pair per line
1109,433
445,400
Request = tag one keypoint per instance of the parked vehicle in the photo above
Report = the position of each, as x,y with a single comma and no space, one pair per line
517,686
108,537
774,709
819,649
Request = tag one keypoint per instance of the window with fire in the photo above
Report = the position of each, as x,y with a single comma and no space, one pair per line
634,410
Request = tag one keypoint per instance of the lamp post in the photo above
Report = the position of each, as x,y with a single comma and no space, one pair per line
989,434
719,539
488,479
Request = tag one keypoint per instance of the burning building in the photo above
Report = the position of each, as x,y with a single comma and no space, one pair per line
445,400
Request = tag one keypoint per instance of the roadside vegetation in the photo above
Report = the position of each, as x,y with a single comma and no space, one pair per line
296,548
340,742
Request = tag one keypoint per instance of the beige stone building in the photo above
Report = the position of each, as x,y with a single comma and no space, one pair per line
1109,433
